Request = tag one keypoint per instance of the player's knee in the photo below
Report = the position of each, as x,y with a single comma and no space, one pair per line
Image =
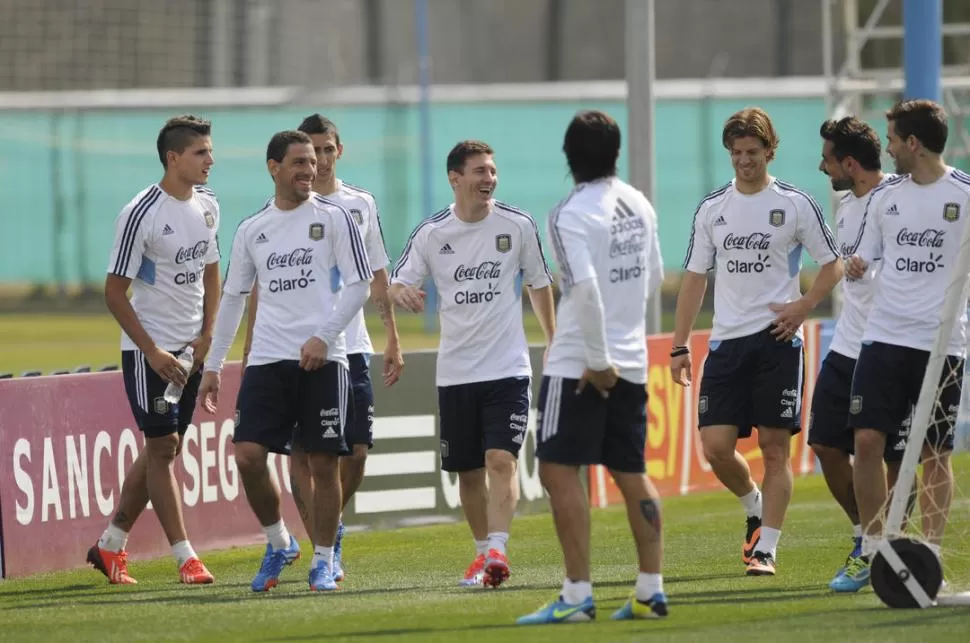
869,444
717,452
163,448
500,463
324,466
299,463
249,459
775,455
828,454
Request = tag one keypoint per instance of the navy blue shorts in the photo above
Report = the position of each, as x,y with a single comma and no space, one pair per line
146,389
360,427
885,388
479,416
585,429
280,405
752,381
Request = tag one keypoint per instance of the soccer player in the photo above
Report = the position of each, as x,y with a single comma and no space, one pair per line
915,224
752,232
851,159
360,430
478,251
297,373
593,398
166,251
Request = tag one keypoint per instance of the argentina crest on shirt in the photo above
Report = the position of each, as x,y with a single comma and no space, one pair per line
316,231
776,218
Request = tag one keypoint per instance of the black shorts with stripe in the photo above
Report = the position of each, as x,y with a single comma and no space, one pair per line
146,390
281,405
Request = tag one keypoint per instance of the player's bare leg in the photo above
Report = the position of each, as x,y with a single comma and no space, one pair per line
570,513
301,485
327,498
720,450
777,485
264,499
936,495
869,481
474,504
352,472
644,515
837,470
503,496
108,555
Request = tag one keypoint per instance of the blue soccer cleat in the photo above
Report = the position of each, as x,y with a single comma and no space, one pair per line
559,611
274,560
853,577
321,577
655,607
338,568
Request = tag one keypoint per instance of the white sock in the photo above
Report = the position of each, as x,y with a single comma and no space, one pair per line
113,539
183,551
277,535
648,585
498,540
481,547
870,544
322,553
752,502
857,531
768,543
575,593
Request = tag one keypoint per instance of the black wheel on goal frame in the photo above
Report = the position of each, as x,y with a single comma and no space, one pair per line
919,563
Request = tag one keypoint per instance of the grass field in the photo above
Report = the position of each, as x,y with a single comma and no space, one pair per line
401,587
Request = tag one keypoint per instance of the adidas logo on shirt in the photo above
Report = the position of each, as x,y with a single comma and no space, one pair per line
167,230
446,250
720,220
261,238
893,210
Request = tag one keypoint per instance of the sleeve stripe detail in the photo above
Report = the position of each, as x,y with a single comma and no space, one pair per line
131,229
829,238
865,214
356,243
713,195
441,215
535,229
557,245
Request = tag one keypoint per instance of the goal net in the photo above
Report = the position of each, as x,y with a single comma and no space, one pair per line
926,557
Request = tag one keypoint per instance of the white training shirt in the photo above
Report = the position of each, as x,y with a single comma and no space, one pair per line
857,294
478,269
301,258
605,230
755,242
163,245
916,229
363,208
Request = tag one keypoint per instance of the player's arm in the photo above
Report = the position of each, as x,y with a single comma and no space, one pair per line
250,323
538,279
131,239
408,275
355,270
693,285
818,239
868,246
380,295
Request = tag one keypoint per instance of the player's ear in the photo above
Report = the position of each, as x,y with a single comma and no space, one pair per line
453,178
274,168
340,150
170,157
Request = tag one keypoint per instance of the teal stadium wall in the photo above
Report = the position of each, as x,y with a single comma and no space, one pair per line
64,178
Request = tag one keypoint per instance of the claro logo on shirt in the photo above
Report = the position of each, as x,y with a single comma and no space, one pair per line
301,258
485,271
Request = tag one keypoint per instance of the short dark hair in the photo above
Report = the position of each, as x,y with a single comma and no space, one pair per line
319,124
281,141
923,119
592,145
754,122
465,150
178,133
850,136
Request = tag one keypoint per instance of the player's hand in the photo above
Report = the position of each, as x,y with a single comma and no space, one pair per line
313,354
209,391
680,369
855,267
167,367
602,381
200,348
410,298
789,318
393,363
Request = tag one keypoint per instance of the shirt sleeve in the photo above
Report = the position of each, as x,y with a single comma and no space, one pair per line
213,254
532,259
655,262
374,241
869,242
700,248
412,268
570,244
132,232
814,233
241,273
348,247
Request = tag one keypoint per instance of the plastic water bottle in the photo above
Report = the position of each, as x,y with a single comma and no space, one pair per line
173,392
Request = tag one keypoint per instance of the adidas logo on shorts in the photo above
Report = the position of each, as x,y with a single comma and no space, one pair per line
329,433
787,413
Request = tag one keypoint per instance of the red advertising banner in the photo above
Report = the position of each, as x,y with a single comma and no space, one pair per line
66,442
675,458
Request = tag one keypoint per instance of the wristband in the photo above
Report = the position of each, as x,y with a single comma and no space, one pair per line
679,350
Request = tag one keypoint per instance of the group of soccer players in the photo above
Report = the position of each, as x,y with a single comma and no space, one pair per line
897,243
315,251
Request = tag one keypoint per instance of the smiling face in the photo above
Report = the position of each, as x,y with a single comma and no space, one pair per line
749,157
294,175
835,169
328,151
902,151
477,180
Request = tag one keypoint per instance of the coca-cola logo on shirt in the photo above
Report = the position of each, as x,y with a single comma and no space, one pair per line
484,270
929,238
192,253
294,259
753,241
